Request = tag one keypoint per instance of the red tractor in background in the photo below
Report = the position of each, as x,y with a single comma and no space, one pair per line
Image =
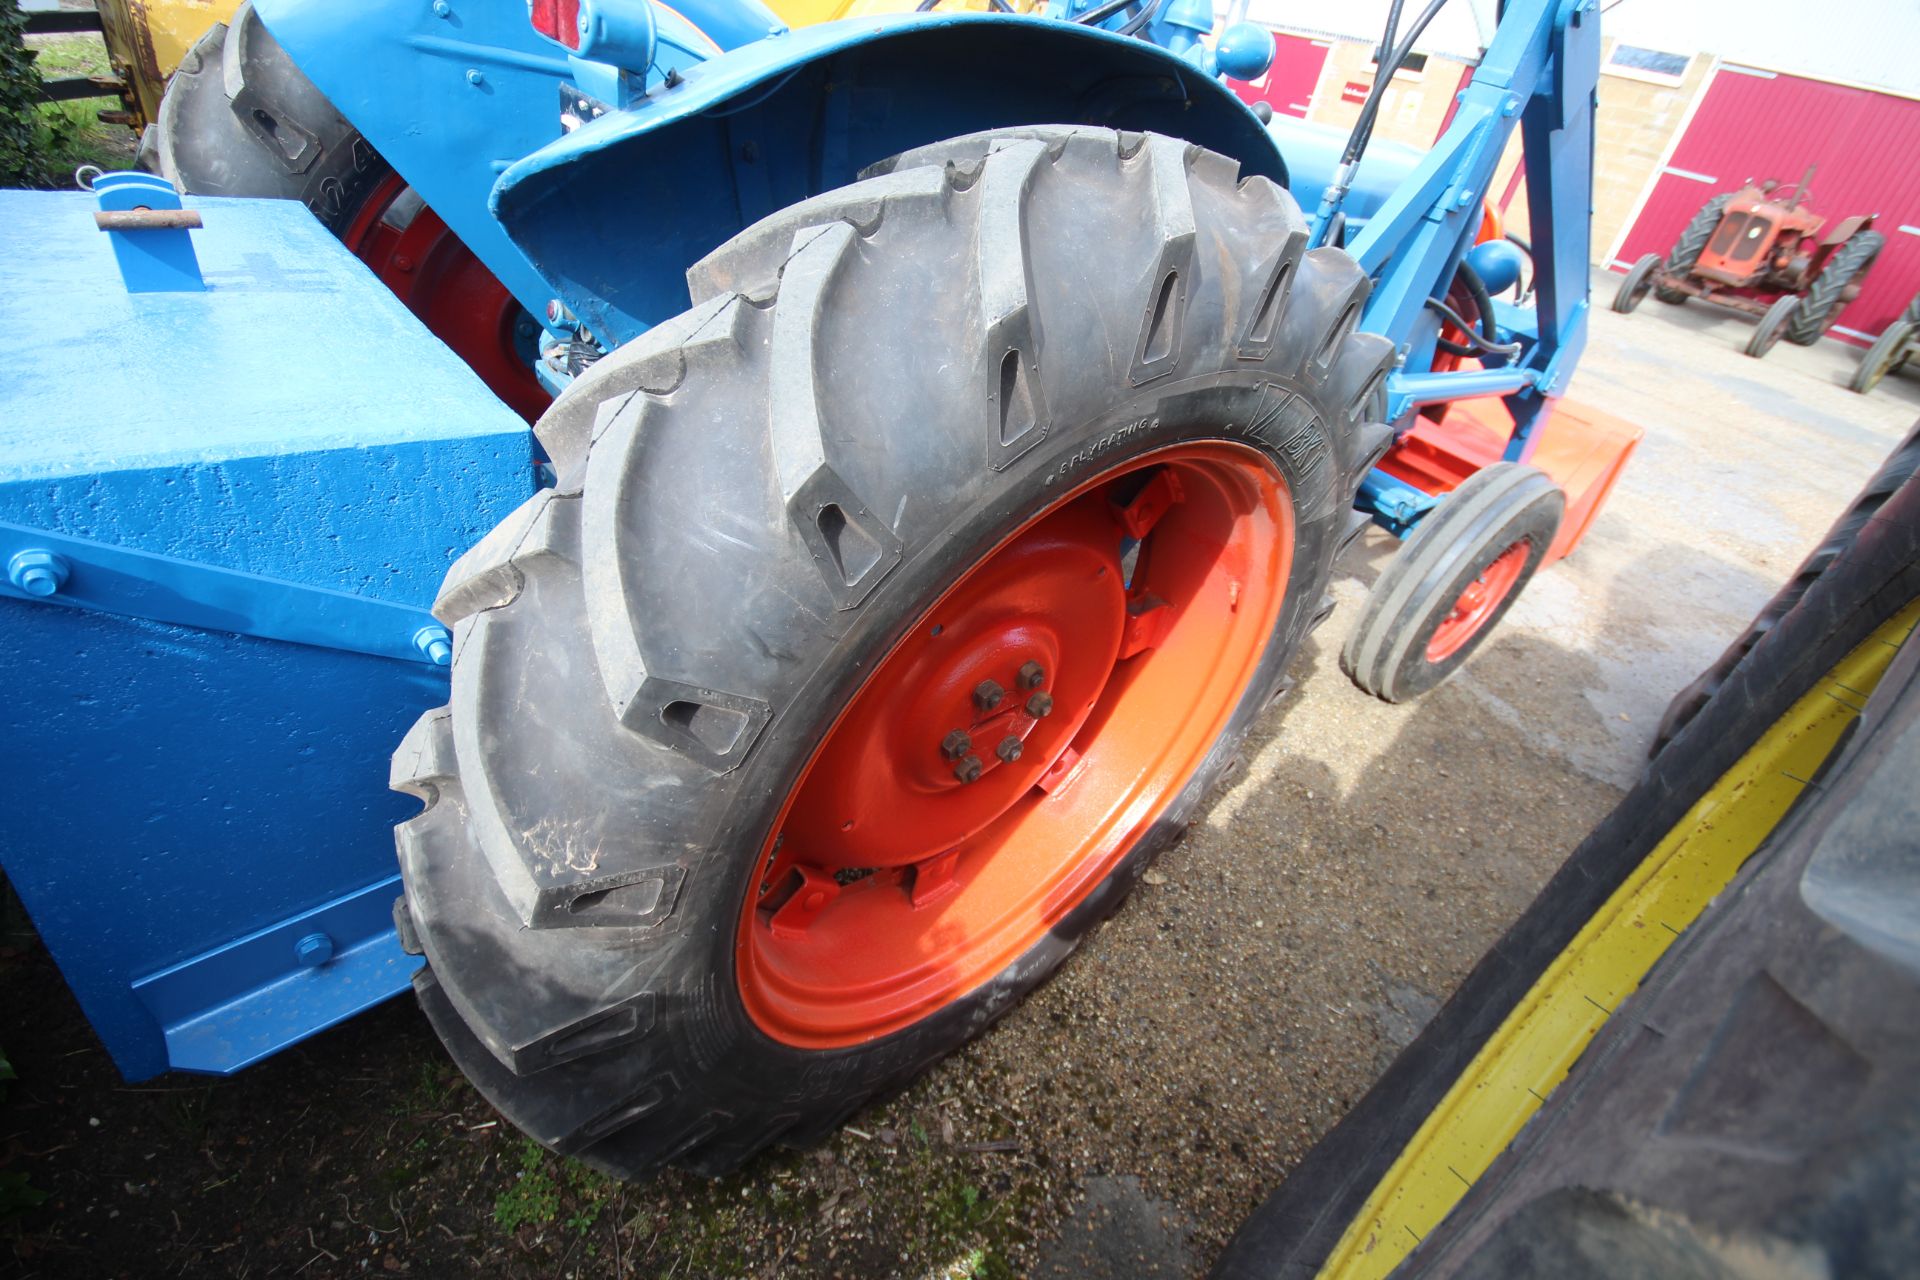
1758,241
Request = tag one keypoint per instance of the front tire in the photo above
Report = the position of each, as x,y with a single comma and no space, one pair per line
1777,322
1687,249
706,862
1456,577
1888,354
1635,286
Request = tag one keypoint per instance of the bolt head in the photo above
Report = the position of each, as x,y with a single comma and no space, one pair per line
474,77
969,769
987,695
956,744
1040,704
38,572
313,950
1032,675
1009,749
441,8
436,644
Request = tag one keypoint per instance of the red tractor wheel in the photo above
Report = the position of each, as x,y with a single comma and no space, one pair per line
1453,580
1638,282
1889,354
231,112
1773,325
1836,285
895,606
1692,242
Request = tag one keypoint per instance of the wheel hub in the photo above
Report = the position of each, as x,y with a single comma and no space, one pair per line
1014,743
1477,603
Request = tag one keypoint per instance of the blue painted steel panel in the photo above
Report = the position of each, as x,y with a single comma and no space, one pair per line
170,790
615,212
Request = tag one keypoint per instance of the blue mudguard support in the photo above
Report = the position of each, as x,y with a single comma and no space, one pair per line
176,790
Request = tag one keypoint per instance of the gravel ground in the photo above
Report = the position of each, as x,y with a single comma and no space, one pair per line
1125,1119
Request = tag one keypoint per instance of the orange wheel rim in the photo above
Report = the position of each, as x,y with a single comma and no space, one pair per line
1477,603
1014,744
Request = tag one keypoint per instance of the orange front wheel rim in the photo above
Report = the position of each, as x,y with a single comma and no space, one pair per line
1015,743
1477,604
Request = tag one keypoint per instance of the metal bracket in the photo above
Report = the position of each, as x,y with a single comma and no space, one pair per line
246,999
1393,504
60,569
142,217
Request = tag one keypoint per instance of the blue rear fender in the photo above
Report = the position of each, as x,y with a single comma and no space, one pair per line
613,214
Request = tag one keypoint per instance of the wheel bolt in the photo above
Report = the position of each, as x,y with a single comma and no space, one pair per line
1032,675
968,770
956,744
987,695
1040,704
1009,749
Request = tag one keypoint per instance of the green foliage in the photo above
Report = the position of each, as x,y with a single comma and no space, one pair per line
25,158
540,1186
18,1197
534,1197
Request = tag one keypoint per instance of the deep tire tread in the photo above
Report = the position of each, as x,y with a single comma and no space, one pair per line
658,467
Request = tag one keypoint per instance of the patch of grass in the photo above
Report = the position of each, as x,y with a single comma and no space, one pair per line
534,1197
71,134
545,1188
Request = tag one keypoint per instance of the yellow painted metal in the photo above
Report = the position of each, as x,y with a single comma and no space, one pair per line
1539,1042
146,40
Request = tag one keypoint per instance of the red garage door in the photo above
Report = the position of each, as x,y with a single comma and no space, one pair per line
1759,124
1288,85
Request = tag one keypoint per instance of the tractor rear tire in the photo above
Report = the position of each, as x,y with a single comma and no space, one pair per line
1821,303
1639,279
1686,250
240,119
651,937
1888,355
1456,577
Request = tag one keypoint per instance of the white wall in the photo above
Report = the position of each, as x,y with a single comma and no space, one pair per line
1868,42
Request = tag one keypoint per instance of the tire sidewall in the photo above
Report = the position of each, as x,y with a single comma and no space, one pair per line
1214,408
1535,522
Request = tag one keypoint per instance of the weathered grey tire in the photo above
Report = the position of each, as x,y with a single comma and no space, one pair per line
647,655
1638,280
1496,507
1889,353
1686,250
1825,296
240,119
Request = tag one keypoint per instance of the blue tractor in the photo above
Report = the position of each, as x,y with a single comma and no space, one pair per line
954,421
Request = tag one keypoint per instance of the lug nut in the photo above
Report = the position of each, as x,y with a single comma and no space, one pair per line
968,770
987,695
1040,704
1032,675
956,744
1009,749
